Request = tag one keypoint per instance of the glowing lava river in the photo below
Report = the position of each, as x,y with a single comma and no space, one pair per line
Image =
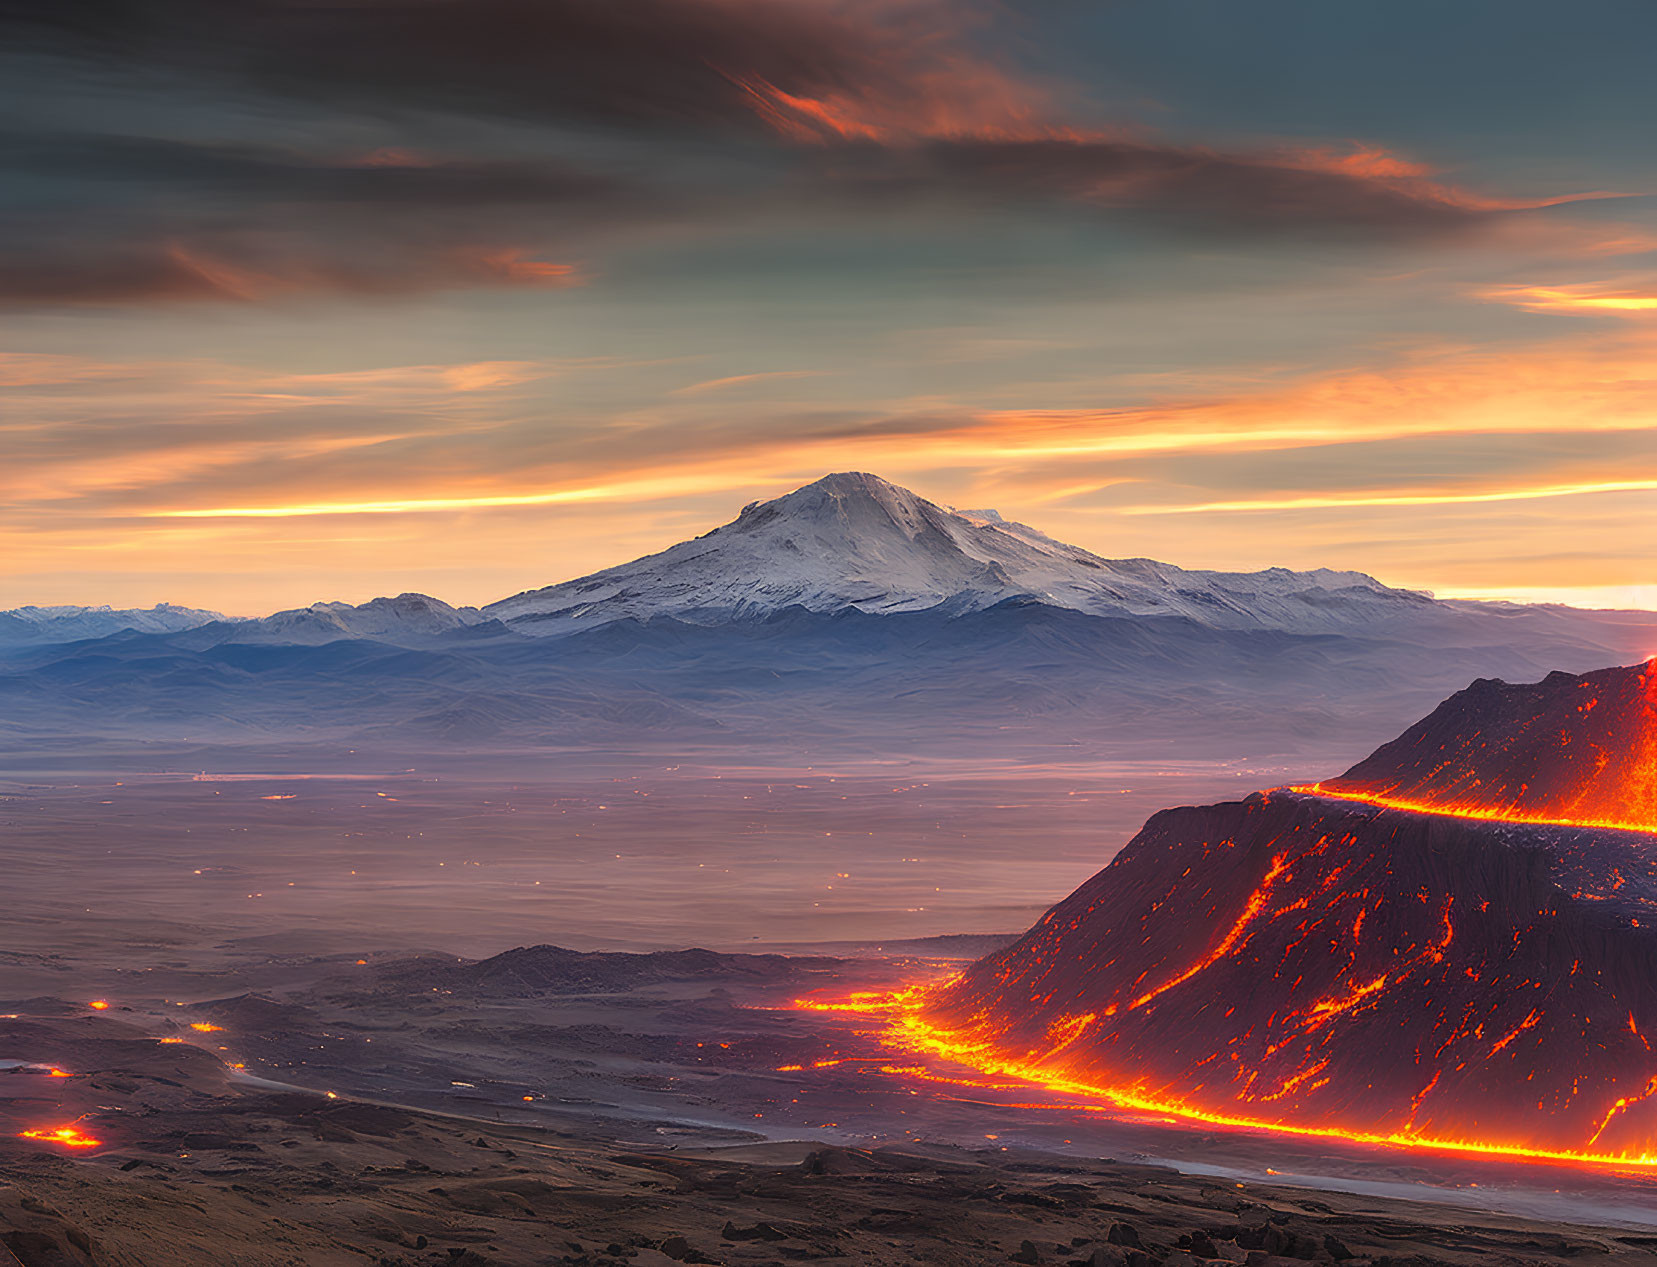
967,1061
1448,949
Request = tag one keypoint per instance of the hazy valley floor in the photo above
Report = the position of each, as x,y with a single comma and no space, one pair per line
329,859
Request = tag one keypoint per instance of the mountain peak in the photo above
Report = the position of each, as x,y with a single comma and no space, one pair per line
850,483
405,615
837,494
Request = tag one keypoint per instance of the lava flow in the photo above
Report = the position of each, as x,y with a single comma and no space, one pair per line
1345,967
973,1061
68,1136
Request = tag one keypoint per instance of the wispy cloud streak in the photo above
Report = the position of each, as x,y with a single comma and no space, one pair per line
1448,497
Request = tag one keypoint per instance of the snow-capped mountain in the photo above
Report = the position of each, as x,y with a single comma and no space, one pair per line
72,624
854,540
848,613
407,617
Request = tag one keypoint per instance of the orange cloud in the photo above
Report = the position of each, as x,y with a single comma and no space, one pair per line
1449,467
1445,497
1585,297
1049,455
1576,384
516,266
82,426
736,380
29,369
204,274
642,489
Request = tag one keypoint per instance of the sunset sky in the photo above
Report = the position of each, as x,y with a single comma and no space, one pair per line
305,300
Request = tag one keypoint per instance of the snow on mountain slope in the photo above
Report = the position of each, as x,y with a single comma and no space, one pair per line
72,624
854,540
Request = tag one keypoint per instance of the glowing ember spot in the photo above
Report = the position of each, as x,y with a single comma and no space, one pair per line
905,1029
206,1027
99,1005
67,1136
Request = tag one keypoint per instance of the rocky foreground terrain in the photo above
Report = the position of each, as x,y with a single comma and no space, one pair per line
216,1172
628,1145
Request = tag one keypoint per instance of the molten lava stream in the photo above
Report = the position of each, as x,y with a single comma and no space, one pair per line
905,1030
1456,809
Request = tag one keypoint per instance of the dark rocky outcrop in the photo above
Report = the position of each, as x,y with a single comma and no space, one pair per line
1581,748
1318,962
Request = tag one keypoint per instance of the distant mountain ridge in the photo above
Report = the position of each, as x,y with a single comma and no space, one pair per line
71,624
406,618
849,615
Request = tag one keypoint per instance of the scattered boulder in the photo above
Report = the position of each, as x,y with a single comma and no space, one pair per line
759,1232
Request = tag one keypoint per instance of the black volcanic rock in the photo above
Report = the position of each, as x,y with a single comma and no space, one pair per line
1318,962
531,971
1582,749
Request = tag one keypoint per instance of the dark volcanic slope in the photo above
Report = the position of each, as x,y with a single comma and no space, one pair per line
1582,749
1316,962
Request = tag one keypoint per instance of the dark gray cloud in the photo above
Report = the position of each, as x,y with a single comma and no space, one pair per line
630,60
1193,187
114,219
857,106
118,217
124,166
239,268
